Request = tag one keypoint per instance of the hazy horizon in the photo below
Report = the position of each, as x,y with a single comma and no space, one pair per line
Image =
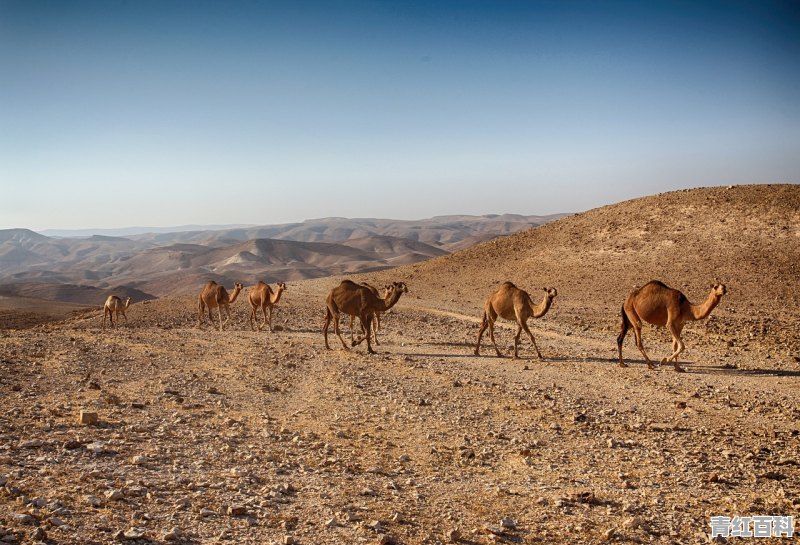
164,114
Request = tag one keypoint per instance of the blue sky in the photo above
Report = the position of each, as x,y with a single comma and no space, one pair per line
121,113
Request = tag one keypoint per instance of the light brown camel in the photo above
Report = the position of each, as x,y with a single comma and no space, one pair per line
514,304
660,305
214,295
356,300
112,306
376,323
261,296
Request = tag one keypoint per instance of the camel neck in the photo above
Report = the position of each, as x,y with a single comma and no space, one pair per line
276,296
542,308
701,311
235,295
392,299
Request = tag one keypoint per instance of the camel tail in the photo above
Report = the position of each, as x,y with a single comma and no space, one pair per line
623,330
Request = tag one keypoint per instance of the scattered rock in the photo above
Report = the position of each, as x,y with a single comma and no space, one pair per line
88,418
114,495
174,534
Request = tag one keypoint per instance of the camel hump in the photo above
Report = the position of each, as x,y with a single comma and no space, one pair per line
508,284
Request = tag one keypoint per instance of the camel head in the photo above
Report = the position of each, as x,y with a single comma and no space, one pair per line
401,287
551,293
281,285
127,302
719,289
237,286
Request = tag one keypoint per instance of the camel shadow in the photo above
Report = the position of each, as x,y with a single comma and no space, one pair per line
701,369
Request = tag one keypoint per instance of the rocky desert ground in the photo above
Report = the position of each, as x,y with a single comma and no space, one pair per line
245,436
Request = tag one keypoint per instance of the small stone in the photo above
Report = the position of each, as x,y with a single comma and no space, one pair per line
206,512
237,510
39,535
712,478
55,521
88,418
96,448
332,523
454,535
23,518
680,404
114,494
139,460
492,530
33,443
404,458
94,501
135,533
289,540
174,534
509,523
385,539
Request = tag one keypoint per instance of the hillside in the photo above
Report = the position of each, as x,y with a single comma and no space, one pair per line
745,236
253,437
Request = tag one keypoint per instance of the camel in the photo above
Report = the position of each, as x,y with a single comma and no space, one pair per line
214,295
112,306
262,296
660,305
376,323
357,300
514,304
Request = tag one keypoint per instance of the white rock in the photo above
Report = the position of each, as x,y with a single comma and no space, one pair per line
114,494
509,523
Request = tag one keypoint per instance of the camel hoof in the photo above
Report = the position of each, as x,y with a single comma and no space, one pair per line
664,361
650,365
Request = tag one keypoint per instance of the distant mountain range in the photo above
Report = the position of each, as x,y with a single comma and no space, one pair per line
86,266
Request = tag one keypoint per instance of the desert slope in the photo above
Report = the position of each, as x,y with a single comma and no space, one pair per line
745,236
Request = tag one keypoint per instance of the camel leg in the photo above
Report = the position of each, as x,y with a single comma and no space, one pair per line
376,325
264,322
676,341
484,325
219,314
516,341
338,331
364,332
270,319
104,317
328,317
491,336
368,327
528,331
124,316
637,331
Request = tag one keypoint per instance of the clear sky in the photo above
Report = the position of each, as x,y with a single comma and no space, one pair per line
158,113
